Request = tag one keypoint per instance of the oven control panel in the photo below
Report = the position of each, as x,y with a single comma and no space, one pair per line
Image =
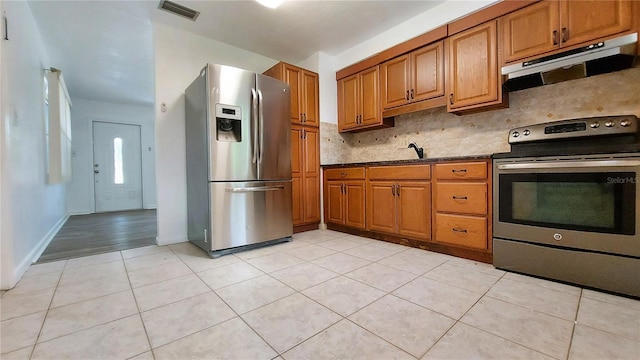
564,129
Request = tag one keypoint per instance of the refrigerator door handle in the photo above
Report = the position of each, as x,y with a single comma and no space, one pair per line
260,126
255,189
254,125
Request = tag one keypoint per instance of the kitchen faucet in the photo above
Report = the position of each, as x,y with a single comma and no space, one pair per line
418,150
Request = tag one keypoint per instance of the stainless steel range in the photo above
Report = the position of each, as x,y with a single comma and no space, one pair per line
567,203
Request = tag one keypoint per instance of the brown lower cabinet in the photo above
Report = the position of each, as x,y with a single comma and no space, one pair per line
399,200
447,211
462,210
344,197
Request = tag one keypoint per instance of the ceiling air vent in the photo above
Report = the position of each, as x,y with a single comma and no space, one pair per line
178,9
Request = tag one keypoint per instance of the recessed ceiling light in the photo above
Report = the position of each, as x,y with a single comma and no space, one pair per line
270,3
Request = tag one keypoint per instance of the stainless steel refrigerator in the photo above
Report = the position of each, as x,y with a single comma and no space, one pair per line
238,142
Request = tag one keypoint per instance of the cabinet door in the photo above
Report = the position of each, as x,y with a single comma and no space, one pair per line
427,72
296,194
355,204
473,69
296,150
348,102
292,76
414,209
311,195
582,21
531,31
311,146
310,101
395,82
381,206
334,198
311,166
369,97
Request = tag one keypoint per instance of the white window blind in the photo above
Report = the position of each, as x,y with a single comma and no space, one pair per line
59,169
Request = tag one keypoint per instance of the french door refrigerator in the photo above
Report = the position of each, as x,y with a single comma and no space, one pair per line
238,142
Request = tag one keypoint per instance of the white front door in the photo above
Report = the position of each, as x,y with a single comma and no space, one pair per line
117,166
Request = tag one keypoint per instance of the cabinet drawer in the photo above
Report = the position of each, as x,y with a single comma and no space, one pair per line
401,172
467,231
461,171
344,173
467,198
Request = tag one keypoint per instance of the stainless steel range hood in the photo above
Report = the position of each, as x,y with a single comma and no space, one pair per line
597,58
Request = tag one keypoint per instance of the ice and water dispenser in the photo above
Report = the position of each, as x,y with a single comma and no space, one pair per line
228,123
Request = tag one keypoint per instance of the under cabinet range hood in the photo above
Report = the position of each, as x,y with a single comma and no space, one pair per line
597,58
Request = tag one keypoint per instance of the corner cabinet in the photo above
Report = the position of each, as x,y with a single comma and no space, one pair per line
474,82
304,92
359,102
399,200
551,25
344,196
305,143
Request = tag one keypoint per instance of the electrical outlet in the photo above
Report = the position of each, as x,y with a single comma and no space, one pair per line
403,143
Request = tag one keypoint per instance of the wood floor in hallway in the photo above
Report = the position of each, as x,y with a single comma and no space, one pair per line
84,235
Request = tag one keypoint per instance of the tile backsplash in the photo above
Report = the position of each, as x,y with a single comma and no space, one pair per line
442,134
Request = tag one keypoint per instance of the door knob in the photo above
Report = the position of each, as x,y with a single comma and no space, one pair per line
96,171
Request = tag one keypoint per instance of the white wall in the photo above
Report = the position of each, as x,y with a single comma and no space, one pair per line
80,194
32,210
179,57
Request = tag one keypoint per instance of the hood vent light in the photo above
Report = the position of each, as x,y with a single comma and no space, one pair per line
178,9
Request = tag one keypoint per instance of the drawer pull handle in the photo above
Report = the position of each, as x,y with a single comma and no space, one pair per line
343,174
464,231
458,171
393,190
459,197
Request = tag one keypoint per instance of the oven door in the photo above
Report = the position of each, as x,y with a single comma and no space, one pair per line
581,203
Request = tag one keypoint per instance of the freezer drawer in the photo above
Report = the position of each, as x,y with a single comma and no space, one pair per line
245,213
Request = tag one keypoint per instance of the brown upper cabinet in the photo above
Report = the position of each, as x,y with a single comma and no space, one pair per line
304,92
413,77
551,24
359,101
473,79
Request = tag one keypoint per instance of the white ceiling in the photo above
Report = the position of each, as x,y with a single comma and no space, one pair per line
105,48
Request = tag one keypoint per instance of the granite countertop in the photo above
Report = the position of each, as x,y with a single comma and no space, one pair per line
411,161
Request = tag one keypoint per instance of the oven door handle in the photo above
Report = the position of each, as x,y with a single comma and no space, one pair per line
570,164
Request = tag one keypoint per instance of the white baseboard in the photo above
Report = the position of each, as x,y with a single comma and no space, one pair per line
162,242
80,212
33,256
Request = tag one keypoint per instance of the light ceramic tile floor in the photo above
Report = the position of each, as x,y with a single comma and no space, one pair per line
325,295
